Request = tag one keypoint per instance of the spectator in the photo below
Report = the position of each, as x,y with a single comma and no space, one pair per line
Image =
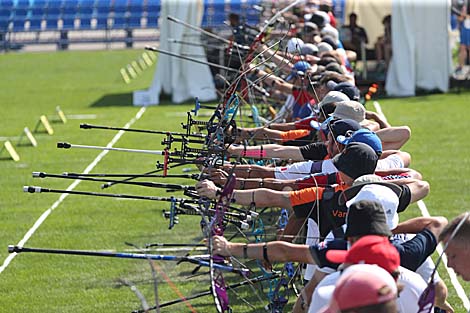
464,50
353,35
458,245
383,46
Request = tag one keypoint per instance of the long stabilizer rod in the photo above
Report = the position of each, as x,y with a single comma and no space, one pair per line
154,49
36,189
122,255
205,32
190,176
66,145
143,184
158,132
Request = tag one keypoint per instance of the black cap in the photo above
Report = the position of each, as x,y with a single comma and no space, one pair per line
357,159
331,41
347,88
342,126
366,218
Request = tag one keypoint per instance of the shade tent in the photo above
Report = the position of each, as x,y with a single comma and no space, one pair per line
420,41
183,80
421,50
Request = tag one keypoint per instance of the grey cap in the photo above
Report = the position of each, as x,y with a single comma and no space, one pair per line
324,47
308,48
333,96
350,110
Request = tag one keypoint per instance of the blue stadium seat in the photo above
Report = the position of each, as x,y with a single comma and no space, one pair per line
18,24
102,22
37,12
153,6
68,21
119,9
134,20
120,21
5,13
120,3
85,14
70,7
105,4
152,19
19,18
236,7
53,12
51,22
6,3
136,8
4,23
35,24
22,4
85,21
20,12
38,3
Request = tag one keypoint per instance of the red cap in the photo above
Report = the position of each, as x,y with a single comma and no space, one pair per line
368,250
361,285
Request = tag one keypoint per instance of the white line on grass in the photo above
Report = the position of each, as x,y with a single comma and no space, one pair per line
75,183
424,212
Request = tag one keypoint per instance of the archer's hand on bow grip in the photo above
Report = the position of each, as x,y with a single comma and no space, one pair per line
218,176
221,246
208,189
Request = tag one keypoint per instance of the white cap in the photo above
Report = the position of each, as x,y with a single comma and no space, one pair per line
294,45
333,96
383,195
329,30
324,47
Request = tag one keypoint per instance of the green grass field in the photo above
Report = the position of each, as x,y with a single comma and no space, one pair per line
89,83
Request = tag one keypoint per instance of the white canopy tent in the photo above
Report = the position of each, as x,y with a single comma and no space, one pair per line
182,79
420,39
422,55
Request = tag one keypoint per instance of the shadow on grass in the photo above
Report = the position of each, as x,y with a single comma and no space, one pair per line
118,99
125,99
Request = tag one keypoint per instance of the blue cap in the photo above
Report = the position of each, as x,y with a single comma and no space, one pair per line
301,66
365,136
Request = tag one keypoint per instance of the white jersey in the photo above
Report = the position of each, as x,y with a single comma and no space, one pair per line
407,301
313,237
299,170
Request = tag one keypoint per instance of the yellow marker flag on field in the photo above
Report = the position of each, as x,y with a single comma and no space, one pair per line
61,114
136,67
131,71
153,56
9,147
30,137
147,59
142,64
47,126
124,75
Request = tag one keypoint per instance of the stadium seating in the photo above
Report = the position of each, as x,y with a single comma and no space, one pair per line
62,16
